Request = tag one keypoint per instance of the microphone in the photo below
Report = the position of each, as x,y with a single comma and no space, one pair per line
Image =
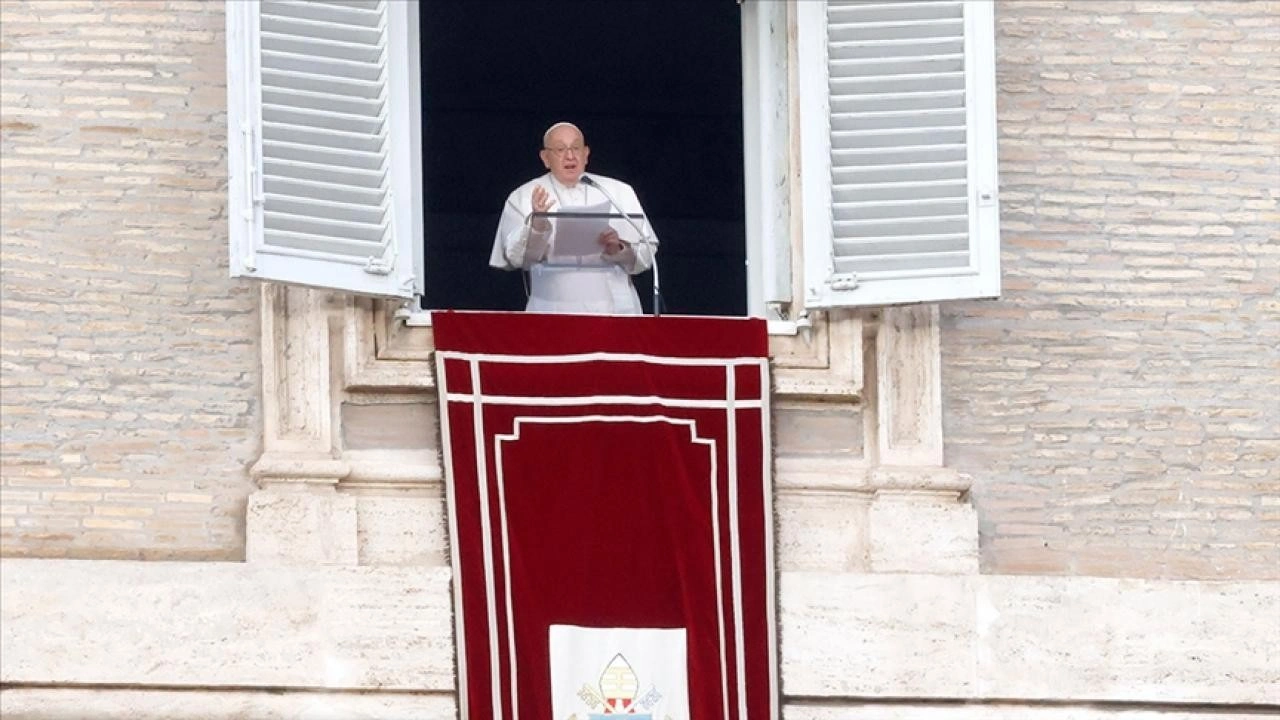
644,236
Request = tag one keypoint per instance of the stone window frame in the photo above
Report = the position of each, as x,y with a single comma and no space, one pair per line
321,348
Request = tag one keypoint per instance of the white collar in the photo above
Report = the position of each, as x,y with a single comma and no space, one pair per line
561,186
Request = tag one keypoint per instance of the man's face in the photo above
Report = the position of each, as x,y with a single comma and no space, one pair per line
565,155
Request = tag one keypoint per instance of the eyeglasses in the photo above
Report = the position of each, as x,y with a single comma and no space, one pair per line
560,151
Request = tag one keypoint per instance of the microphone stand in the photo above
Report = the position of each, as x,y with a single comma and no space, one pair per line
644,238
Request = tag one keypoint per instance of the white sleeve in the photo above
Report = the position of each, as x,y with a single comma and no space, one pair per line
638,257
517,246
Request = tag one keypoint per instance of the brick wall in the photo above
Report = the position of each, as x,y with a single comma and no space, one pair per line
1116,407
130,368
1119,406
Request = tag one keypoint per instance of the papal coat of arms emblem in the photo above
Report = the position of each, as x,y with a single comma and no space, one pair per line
619,673
618,696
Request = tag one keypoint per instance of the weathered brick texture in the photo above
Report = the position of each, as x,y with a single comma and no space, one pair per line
1119,407
130,368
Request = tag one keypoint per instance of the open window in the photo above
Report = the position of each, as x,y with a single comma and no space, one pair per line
890,104
655,87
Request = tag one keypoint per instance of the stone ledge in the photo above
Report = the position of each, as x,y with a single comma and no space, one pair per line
146,704
843,635
873,710
298,468
1029,638
109,703
225,624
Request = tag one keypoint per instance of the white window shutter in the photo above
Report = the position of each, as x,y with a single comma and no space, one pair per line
898,147
324,179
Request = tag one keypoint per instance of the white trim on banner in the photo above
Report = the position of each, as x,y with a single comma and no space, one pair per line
572,401
486,539
455,556
597,356
691,425
735,548
770,584
731,404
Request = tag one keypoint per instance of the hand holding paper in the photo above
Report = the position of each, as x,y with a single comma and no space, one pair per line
612,244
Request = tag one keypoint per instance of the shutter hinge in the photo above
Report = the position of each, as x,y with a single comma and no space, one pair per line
804,325
842,281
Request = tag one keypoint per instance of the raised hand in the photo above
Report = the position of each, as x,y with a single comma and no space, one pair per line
542,202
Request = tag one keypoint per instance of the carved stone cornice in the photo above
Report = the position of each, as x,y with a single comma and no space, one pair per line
417,470
804,474
840,474
298,468
939,480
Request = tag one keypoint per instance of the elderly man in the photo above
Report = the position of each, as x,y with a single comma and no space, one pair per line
597,284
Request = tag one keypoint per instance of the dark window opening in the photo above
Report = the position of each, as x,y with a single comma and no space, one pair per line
655,86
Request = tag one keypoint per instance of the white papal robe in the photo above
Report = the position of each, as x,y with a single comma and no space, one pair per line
601,286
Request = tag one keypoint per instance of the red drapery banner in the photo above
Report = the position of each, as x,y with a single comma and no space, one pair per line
610,514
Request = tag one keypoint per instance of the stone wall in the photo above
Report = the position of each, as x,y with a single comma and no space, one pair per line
130,360
1112,407
377,642
1117,406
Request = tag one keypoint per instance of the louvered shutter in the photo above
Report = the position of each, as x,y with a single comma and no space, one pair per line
324,181
898,147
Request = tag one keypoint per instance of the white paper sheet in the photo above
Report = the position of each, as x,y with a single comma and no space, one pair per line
578,236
